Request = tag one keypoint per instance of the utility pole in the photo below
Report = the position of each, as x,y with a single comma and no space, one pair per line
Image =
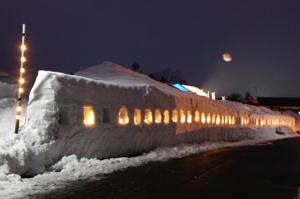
21,81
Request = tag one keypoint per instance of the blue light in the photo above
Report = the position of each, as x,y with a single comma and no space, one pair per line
180,87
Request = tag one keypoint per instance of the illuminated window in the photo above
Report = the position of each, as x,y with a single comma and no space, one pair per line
218,120
123,116
148,117
203,119
137,116
197,116
242,121
182,116
229,120
88,116
175,116
213,119
166,117
257,122
157,116
189,117
208,118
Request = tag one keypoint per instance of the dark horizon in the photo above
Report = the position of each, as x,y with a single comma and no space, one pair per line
263,38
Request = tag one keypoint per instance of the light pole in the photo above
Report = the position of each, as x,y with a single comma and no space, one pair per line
21,80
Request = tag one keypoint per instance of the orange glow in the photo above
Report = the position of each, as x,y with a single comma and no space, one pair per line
227,57
175,116
229,120
166,117
182,116
123,116
23,59
137,116
19,108
222,120
226,119
148,117
21,90
157,116
189,117
218,120
197,116
18,117
23,47
22,70
213,119
233,120
203,119
21,80
208,118
88,116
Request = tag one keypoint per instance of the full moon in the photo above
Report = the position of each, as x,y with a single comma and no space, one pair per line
227,57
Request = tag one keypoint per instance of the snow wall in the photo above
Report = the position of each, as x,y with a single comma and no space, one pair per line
54,125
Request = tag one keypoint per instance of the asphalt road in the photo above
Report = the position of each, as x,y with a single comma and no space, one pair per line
270,171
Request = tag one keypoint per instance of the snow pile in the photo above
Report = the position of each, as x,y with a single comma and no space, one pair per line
54,143
54,126
71,169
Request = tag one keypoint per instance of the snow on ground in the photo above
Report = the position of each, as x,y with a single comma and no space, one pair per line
71,169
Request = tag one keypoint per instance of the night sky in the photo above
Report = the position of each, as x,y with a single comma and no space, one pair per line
263,37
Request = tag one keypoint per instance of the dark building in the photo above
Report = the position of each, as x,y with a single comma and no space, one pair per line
281,103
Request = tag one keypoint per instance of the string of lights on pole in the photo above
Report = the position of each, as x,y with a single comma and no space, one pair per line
23,48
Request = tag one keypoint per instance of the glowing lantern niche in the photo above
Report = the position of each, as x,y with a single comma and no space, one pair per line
182,116
166,117
189,117
88,116
218,120
175,116
197,116
203,119
257,122
137,116
213,119
123,116
208,119
227,57
148,117
226,119
229,120
222,120
233,120
157,116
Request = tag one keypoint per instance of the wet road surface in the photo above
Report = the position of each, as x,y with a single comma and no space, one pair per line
270,171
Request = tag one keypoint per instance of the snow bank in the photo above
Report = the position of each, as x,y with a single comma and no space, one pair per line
54,124
71,169
54,143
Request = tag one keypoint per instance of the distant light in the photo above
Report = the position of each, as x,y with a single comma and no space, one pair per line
299,112
223,98
180,87
227,57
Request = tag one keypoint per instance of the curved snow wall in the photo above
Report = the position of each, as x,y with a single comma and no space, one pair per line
55,118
